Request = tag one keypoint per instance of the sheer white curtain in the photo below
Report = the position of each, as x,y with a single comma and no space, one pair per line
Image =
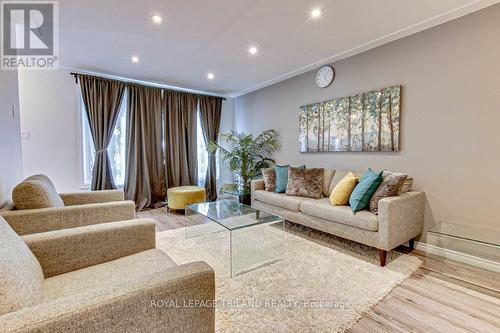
202,152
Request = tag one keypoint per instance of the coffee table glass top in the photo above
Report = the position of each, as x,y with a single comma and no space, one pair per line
250,238
478,235
232,215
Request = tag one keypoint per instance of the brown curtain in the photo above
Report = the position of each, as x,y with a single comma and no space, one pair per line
180,138
210,115
102,98
145,177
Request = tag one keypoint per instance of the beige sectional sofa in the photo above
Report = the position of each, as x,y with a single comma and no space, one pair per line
400,218
106,277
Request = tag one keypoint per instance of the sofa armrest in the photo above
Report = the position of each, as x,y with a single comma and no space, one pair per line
90,197
255,185
31,221
401,218
179,299
67,250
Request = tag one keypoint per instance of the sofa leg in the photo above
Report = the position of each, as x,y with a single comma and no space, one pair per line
411,242
383,255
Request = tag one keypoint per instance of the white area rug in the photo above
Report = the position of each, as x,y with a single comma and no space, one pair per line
322,284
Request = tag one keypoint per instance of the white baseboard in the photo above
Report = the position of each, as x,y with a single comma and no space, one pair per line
458,256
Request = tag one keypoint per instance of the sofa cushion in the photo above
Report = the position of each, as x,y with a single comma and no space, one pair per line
342,191
36,192
281,172
282,177
279,199
21,276
322,208
269,176
389,187
306,183
327,180
113,272
368,184
407,185
338,175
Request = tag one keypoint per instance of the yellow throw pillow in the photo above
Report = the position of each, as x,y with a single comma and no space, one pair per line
342,191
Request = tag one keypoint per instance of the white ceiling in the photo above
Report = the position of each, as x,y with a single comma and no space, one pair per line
197,37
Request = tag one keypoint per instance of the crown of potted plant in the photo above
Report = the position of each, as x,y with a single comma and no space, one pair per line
246,155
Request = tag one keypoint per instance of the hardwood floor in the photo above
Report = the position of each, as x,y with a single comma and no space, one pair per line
431,301
164,220
441,296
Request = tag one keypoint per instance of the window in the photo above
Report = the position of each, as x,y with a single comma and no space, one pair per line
202,152
116,149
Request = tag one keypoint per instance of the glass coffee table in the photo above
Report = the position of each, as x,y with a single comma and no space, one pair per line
253,237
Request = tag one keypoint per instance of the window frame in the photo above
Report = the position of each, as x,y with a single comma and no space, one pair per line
81,141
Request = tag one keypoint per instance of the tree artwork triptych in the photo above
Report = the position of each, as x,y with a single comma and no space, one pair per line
363,122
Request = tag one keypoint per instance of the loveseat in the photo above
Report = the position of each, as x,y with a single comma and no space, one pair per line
400,218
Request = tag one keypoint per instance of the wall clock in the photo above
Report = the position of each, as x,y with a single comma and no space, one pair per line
325,76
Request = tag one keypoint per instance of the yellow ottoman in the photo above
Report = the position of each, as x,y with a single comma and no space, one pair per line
182,196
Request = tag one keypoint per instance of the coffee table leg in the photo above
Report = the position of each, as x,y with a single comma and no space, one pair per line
231,254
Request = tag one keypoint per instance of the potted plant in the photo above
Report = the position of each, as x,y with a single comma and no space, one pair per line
246,155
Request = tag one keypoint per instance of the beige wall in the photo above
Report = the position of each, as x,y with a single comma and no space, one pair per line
10,140
450,114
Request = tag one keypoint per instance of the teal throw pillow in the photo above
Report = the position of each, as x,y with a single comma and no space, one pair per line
368,184
282,177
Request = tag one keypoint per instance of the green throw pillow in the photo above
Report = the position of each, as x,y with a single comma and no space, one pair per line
282,177
368,184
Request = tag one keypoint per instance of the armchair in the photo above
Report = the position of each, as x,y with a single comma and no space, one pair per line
101,278
80,209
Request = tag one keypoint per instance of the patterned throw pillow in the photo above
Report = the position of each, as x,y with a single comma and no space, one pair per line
269,176
282,177
389,187
407,185
368,184
305,182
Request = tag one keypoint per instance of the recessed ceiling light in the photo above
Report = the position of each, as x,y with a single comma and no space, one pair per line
157,19
135,59
210,76
315,13
252,50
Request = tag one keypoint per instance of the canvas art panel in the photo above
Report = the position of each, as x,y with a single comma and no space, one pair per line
363,122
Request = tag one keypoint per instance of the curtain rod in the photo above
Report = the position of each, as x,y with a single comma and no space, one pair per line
145,83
